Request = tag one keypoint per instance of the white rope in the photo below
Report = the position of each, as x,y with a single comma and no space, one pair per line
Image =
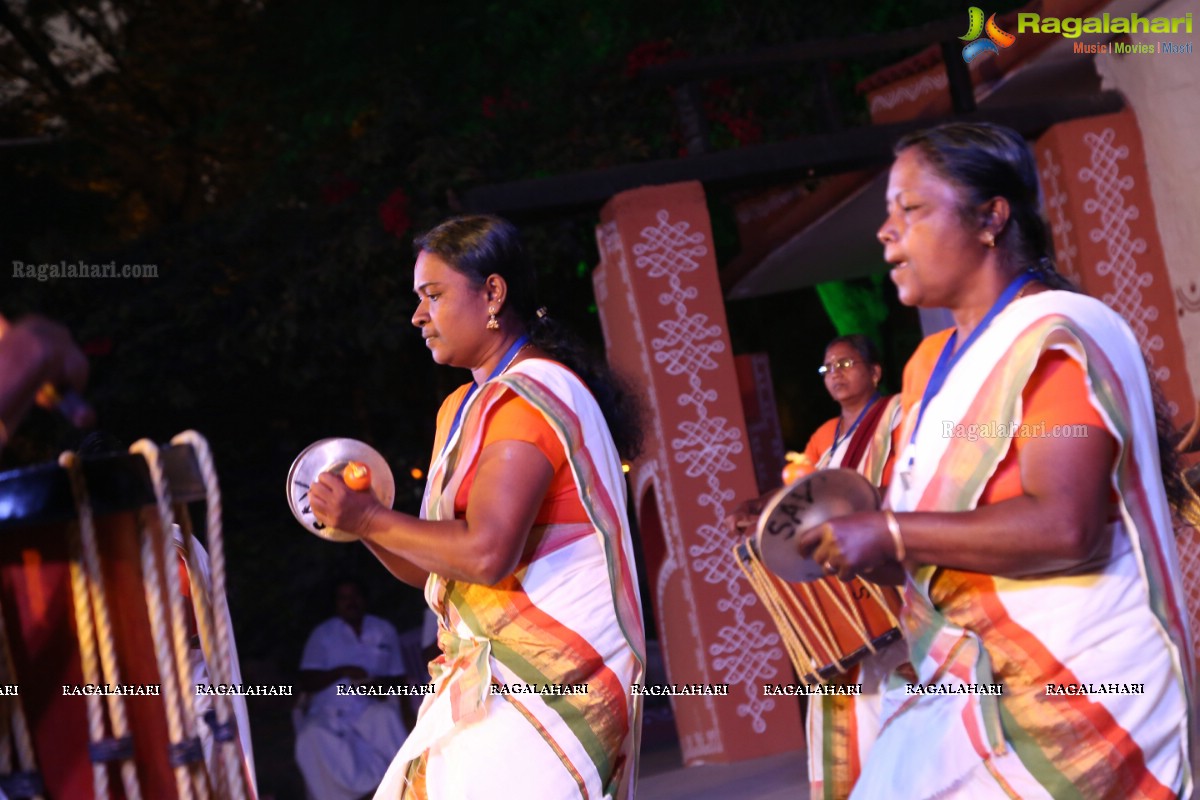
805,631
167,634
6,709
221,667
802,657
15,727
87,646
85,552
202,610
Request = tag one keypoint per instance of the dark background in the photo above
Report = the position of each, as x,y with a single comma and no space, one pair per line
273,159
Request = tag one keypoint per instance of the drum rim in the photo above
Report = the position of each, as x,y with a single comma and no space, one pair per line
805,569
829,671
40,494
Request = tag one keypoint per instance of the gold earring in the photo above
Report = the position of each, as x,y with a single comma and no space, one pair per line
493,324
989,240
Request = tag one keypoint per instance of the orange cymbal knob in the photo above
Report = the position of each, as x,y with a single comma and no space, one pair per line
798,465
357,476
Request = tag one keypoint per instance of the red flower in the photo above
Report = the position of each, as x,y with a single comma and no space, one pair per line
744,129
648,53
393,213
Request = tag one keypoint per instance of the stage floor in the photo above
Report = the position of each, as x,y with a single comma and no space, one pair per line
778,777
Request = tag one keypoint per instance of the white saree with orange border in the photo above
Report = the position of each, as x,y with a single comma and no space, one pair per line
840,729
1116,626
532,688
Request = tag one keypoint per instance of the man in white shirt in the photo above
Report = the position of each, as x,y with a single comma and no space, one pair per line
346,741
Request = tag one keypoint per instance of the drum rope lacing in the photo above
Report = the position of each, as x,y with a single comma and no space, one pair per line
95,634
783,606
181,717
212,615
97,646
12,718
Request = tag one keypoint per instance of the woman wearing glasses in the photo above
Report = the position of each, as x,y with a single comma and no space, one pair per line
841,728
860,437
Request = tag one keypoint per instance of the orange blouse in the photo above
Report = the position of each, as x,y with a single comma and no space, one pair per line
1055,396
514,419
821,440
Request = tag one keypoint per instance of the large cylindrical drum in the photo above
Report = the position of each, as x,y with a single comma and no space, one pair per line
37,525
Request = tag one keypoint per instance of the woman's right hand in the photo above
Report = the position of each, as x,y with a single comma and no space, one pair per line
338,506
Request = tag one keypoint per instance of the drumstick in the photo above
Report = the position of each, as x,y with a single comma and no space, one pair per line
70,403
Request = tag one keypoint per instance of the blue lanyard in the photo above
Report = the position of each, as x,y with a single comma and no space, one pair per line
949,357
504,364
838,429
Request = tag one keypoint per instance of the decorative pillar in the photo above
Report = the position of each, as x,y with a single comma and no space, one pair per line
1102,217
1162,90
762,419
1093,173
664,324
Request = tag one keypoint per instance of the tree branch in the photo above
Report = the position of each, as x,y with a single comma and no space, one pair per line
33,49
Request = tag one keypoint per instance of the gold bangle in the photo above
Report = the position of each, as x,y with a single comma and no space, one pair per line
893,525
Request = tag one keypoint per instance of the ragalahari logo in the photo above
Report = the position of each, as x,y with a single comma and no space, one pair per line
996,38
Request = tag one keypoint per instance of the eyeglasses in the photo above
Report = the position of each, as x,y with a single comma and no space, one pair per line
834,366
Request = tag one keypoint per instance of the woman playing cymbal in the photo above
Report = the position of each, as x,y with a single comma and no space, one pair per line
523,544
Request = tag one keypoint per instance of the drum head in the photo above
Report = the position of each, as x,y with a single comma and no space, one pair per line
796,508
332,455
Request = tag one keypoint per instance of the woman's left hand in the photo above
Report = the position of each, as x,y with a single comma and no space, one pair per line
850,545
335,505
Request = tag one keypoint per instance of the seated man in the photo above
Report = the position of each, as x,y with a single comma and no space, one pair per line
346,742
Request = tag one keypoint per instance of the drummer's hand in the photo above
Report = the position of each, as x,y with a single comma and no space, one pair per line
851,545
59,363
743,518
335,505
60,360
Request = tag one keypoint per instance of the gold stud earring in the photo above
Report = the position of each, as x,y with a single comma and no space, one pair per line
493,324
989,240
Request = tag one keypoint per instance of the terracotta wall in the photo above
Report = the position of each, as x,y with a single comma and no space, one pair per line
664,324
1093,174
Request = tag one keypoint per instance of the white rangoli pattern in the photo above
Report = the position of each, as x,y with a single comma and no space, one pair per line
1060,224
908,92
1115,234
748,652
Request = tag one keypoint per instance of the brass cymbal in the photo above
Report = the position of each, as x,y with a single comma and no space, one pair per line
332,455
805,504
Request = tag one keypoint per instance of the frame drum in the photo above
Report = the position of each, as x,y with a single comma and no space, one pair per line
827,625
